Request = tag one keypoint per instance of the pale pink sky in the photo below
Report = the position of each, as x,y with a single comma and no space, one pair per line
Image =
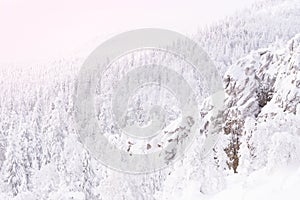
39,29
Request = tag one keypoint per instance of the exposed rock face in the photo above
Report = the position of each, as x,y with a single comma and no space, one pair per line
261,87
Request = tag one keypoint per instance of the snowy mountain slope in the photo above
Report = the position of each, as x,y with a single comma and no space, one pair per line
266,23
261,128
261,132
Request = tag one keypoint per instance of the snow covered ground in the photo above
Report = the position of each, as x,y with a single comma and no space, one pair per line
263,184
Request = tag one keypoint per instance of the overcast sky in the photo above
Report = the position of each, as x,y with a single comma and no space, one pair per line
39,29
